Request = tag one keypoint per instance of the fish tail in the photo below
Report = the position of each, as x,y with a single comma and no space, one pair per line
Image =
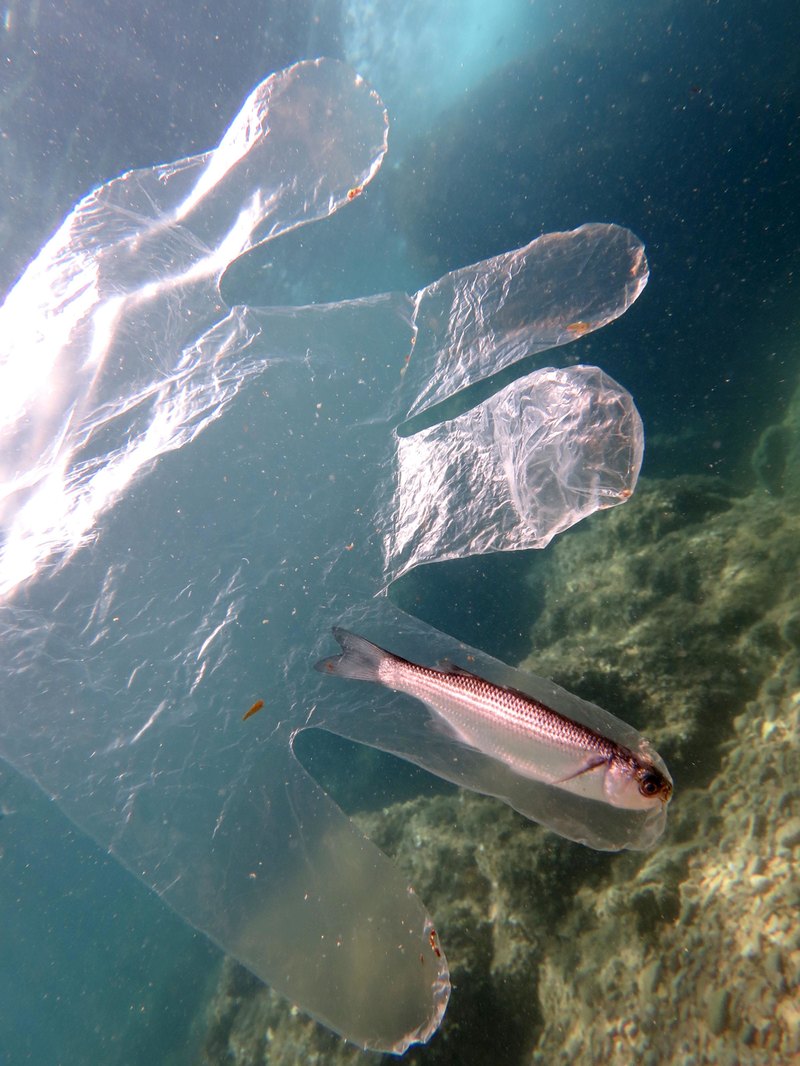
360,658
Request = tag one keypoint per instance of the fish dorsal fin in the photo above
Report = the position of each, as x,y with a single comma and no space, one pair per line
447,666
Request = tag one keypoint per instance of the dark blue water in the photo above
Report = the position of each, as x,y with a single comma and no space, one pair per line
679,122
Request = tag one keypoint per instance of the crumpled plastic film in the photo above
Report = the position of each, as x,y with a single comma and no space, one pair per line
480,319
193,493
527,463
115,339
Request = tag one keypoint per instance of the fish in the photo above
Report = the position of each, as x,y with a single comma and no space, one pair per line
532,739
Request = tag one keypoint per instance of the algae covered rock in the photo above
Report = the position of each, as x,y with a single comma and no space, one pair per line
669,611
680,614
776,457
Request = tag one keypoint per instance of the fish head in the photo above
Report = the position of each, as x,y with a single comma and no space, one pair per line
637,783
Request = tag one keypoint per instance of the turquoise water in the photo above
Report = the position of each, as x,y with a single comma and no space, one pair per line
679,125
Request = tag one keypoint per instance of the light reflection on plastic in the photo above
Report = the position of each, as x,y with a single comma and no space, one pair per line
167,479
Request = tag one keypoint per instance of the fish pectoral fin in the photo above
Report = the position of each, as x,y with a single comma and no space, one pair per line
591,764
449,729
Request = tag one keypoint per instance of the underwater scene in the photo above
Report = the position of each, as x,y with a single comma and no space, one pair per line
400,551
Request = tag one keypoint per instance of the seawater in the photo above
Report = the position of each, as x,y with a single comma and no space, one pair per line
676,123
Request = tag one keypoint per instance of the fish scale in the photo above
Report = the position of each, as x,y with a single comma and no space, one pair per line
456,692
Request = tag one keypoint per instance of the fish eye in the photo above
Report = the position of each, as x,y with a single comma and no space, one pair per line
650,785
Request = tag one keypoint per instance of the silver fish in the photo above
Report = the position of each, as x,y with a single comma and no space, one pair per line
513,728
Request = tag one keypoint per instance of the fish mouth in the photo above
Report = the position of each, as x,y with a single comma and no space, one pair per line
664,793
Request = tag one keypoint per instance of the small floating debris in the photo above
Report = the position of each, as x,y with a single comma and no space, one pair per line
253,710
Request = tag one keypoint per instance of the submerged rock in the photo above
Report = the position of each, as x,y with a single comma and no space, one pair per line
689,631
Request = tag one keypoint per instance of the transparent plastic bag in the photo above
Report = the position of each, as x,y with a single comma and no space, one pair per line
192,494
